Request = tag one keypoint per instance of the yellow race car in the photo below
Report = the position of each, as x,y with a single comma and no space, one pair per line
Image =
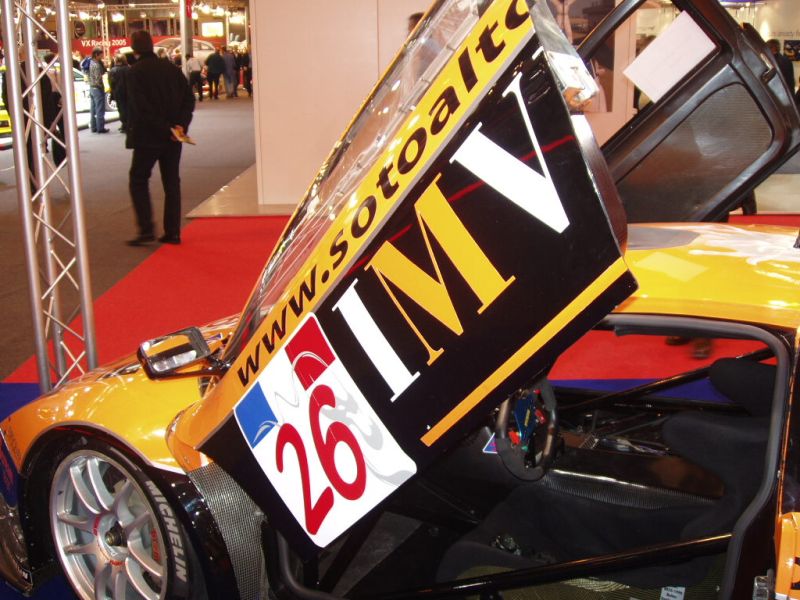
451,378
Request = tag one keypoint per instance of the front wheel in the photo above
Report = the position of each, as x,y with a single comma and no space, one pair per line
115,534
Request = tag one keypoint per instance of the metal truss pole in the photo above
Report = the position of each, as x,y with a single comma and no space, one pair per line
104,37
187,25
55,240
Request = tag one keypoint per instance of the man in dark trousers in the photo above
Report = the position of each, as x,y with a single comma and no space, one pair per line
160,105
215,67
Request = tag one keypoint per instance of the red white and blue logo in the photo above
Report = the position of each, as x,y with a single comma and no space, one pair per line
317,439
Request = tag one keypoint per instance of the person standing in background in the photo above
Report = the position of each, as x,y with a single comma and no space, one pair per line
119,90
237,73
230,72
195,68
48,108
785,66
97,93
160,104
58,148
245,63
215,67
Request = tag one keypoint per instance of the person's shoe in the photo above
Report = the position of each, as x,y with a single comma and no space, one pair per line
142,240
106,130
170,239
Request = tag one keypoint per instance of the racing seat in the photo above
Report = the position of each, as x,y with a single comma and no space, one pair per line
565,517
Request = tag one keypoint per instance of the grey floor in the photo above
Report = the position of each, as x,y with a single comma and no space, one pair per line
225,148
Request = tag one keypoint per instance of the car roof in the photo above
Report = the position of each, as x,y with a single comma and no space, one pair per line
745,273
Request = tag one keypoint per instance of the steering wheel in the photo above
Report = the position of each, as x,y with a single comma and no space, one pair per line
529,456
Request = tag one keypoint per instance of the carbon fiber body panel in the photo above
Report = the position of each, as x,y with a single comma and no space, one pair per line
239,520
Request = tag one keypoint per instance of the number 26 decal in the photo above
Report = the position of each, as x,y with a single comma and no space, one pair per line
337,433
311,356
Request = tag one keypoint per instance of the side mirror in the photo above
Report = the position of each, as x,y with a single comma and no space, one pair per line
170,356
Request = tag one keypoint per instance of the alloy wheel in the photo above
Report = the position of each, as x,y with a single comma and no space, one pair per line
106,530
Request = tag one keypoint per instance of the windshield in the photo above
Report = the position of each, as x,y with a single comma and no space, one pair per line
428,48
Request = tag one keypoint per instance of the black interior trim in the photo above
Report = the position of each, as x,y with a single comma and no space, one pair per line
733,575
577,568
607,26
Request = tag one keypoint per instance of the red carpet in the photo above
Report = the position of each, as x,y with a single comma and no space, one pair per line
210,275
207,277
789,220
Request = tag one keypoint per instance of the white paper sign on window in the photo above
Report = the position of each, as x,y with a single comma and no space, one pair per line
670,57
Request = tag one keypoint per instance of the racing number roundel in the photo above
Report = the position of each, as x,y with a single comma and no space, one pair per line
317,439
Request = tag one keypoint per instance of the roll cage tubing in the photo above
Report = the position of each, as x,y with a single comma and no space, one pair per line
277,552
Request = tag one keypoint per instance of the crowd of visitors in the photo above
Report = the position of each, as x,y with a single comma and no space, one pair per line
155,101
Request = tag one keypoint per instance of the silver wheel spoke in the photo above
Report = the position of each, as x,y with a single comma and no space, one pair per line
89,548
132,528
80,523
99,489
82,491
142,556
134,572
120,584
101,576
120,505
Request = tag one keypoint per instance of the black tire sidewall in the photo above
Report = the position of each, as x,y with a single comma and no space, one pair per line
180,567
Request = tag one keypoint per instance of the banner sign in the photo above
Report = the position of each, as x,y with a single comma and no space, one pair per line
474,254
114,44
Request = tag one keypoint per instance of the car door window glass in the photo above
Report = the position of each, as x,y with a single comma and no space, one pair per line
696,160
372,130
612,60
682,148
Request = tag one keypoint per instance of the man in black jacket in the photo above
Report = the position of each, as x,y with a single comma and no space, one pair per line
160,104
117,81
49,109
